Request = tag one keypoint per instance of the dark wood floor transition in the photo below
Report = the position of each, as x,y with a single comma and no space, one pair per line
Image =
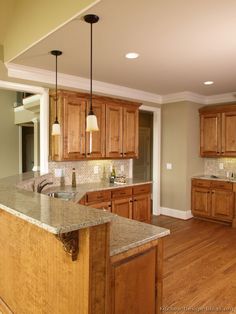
199,266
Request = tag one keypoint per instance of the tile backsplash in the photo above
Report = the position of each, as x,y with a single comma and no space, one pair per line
212,166
85,170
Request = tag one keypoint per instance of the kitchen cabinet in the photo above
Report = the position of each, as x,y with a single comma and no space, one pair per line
122,207
117,121
213,199
114,131
136,285
130,135
218,131
131,202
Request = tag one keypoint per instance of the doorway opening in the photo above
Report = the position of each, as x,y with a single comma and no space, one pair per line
143,166
27,147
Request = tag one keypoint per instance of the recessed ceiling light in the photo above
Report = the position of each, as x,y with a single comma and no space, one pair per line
208,82
132,55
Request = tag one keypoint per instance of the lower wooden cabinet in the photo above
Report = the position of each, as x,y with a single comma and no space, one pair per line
215,200
136,284
222,204
201,201
129,202
123,207
142,208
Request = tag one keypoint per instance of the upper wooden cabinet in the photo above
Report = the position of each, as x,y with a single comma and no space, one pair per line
218,131
130,135
114,131
117,121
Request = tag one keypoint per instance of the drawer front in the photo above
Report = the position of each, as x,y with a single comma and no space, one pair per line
99,196
142,189
201,183
119,193
222,185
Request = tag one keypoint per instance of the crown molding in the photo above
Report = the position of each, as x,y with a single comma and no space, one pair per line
184,96
80,83
76,82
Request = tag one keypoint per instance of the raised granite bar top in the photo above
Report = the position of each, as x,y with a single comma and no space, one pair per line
53,215
127,234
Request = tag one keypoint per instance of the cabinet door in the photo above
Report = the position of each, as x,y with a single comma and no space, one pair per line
102,205
201,201
122,207
210,141
95,141
114,131
142,208
133,285
229,134
74,128
130,137
222,204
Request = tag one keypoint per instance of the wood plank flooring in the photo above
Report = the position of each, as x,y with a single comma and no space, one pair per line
199,266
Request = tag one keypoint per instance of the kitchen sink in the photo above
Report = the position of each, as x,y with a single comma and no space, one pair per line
66,196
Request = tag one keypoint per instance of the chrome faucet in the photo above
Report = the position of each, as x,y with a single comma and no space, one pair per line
41,186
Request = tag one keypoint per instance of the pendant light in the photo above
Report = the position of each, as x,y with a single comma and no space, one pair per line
91,120
56,129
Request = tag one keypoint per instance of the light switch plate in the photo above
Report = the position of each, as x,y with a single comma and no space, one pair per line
169,166
221,165
122,168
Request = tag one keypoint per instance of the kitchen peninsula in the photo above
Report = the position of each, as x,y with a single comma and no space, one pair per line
63,257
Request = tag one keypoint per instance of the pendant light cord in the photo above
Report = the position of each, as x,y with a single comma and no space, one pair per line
56,90
91,68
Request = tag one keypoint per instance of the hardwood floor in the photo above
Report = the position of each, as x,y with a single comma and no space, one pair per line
199,266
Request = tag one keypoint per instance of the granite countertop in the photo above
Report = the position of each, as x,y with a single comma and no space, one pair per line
54,215
212,177
60,216
82,189
127,234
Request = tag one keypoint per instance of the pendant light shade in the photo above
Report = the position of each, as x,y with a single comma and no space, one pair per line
91,120
56,128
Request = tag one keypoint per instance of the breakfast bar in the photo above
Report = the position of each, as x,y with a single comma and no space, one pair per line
64,257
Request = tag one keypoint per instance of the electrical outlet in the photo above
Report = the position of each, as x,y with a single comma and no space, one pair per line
169,166
96,169
221,165
58,172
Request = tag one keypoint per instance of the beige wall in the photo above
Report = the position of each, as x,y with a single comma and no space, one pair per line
32,20
9,135
180,146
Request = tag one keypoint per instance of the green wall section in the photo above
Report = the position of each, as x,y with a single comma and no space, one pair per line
9,135
33,20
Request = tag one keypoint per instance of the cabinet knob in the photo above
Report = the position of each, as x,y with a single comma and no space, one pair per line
88,153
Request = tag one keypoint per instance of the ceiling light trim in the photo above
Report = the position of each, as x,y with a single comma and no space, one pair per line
71,81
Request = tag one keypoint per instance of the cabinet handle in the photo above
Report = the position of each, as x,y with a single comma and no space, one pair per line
213,192
121,154
83,154
88,153
131,201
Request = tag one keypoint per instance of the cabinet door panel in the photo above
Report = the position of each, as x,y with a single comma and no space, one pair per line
133,288
114,131
74,129
229,134
130,139
122,207
201,201
142,208
222,204
95,141
210,134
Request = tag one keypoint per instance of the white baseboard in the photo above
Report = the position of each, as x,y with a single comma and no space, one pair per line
176,213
